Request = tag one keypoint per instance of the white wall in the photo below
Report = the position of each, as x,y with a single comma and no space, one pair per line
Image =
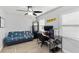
49,15
2,32
16,22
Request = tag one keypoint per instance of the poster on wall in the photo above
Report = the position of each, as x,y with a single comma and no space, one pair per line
51,20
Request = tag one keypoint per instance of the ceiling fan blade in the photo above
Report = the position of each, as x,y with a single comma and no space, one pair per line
37,11
34,14
26,14
22,10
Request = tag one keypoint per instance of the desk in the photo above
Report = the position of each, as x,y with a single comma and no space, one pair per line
45,34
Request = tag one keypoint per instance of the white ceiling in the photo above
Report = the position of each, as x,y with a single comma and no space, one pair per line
12,9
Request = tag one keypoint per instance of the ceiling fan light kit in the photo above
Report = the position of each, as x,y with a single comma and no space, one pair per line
30,13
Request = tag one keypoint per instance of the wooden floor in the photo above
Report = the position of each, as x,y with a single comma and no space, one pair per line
27,47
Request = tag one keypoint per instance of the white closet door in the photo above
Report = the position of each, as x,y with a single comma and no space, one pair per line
70,19
70,24
70,31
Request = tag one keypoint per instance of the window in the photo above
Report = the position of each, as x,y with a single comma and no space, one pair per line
1,22
41,25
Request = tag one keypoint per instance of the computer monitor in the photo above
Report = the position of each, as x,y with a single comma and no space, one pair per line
48,28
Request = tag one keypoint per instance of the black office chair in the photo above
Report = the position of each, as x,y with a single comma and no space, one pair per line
43,40
53,46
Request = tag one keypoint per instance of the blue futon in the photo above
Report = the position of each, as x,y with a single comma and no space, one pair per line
17,37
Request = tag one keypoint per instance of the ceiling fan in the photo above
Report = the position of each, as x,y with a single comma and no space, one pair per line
30,11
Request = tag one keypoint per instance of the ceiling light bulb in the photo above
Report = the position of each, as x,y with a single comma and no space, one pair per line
30,13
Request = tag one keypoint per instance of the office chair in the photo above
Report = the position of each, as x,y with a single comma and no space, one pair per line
53,46
43,40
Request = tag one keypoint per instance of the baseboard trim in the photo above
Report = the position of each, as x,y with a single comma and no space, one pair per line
66,51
